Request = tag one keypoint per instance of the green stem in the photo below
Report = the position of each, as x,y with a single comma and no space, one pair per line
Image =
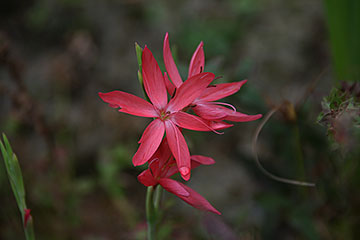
150,213
158,194
29,231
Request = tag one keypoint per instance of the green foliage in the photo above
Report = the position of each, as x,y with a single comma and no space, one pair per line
340,112
344,27
114,161
16,181
281,208
14,173
165,229
302,220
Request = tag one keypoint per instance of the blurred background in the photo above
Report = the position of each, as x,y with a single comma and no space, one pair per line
75,151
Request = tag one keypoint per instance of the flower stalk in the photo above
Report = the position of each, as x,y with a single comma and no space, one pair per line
150,213
157,199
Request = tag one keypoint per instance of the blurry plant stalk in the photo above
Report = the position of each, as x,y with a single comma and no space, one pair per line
153,197
16,181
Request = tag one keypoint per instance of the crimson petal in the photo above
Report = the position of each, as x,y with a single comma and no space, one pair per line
219,125
170,64
189,91
179,149
203,160
129,103
241,117
193,198
147,178
218,91
196,160
174,187
153,80
170,87
209,111
238,116
197,62
160,158
192,122
149,142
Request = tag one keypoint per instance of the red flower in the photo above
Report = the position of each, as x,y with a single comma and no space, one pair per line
168,115
204,105
162,166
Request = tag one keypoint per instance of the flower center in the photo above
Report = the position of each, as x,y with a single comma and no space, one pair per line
164,115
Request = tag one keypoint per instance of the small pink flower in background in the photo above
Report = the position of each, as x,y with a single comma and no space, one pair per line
204,105
162,166
168,115
27,216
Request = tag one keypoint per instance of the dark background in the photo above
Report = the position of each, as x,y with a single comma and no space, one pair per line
75,151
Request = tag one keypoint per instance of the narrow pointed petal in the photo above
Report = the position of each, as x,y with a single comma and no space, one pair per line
171,171
170,87
241,117
194,198
203,160
189,91
192,122
179,149
149,142
170,64
129,103
209,111
153,80
197,62
160,158
174,187
147,178
219,125
197,160
154,165
218,91
238,116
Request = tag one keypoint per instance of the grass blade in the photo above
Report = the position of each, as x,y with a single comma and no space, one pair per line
17,185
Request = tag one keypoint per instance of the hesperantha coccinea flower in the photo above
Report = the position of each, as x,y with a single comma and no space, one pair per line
162,144
168,115
162,166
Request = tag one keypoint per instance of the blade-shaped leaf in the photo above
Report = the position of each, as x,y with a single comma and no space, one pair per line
17,184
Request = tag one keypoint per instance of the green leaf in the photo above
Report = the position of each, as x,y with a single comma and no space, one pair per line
16,181
7,145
